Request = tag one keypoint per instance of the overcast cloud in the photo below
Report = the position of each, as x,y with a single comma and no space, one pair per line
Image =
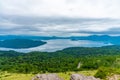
59,17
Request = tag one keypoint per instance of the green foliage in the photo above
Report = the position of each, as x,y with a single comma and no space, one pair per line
102,58
103,72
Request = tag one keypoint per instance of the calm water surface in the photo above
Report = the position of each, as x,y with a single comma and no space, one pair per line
59,44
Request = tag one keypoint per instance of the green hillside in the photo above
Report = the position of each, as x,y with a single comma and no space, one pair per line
103,59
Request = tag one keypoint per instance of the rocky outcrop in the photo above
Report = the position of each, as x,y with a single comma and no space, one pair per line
82,77
114,77
55,77
47,77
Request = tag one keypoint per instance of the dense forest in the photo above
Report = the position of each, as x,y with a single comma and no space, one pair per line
104,59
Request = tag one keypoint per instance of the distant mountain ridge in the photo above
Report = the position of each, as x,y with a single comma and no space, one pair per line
4,37
101,38
115,40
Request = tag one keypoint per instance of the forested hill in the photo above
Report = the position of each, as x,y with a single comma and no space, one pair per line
105,50
20,43
9,54
66,59
61,61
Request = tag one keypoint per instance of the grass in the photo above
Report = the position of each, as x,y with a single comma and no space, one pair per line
15,76
66,76
18,76
63,75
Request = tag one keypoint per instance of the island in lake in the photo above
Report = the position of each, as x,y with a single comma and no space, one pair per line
20,43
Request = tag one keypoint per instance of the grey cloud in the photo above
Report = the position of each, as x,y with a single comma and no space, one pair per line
58,26
111,31
59,17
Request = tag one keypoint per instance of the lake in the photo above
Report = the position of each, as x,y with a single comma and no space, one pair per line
59,44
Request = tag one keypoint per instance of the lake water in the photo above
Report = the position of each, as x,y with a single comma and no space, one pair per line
59,44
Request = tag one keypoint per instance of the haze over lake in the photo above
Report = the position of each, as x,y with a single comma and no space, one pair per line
59,44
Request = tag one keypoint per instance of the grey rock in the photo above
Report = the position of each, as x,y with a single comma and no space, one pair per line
47,77
114,77
82,77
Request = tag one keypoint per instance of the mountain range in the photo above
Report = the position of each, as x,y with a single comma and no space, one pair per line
101,38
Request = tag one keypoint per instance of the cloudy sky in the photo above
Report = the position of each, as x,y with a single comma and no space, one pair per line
60,17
